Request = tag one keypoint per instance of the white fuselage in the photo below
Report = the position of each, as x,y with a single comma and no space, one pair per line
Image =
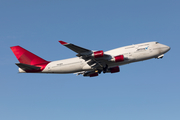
132,53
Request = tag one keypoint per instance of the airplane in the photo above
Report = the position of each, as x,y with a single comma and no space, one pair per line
88,62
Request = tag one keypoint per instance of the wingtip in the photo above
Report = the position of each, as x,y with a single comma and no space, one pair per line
62,42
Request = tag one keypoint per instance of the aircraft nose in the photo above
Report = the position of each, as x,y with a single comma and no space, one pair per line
168,48
165,48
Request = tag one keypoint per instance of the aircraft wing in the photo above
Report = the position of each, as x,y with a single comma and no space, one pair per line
75,48
95,59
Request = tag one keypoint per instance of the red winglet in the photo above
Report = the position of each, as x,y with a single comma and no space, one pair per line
63,43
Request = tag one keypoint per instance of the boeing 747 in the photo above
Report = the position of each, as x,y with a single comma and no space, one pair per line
88,62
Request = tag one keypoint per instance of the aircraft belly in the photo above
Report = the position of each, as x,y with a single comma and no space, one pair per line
113,64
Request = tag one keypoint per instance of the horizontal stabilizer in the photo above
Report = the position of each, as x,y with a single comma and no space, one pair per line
26,67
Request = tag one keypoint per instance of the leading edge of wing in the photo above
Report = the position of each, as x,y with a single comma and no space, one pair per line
74,48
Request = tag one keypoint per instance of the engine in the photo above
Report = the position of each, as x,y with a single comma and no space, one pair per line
118,58
114,69
98,54
93,75
90,74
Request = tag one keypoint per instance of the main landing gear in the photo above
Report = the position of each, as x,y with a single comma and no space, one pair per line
105,69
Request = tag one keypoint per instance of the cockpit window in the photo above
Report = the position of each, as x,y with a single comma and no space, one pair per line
157,42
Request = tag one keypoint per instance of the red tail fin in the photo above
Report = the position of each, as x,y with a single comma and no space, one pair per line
26,57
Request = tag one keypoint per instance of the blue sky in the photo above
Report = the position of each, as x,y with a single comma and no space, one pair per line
147,90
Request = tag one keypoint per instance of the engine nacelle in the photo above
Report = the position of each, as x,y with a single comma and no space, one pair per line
118,58
98,54
93,75
114,69
90,74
